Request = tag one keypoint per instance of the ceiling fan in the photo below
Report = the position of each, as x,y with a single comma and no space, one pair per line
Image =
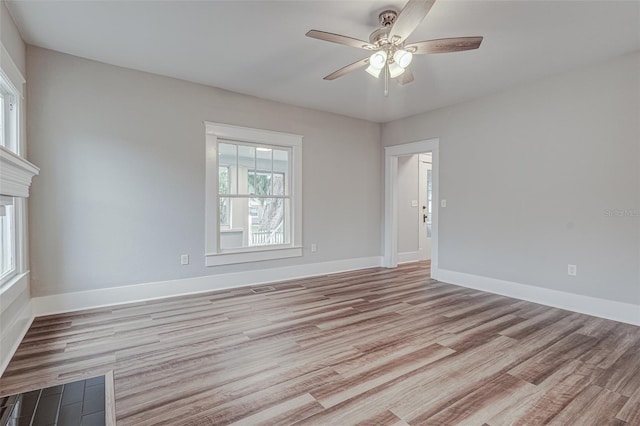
391,54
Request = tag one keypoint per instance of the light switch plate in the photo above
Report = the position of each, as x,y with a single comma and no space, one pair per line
414,203
443,203
184,259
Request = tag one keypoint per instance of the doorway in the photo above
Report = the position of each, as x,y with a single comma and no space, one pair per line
425,203
391,216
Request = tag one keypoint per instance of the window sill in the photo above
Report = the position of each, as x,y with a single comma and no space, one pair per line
15,174
9,281
256,255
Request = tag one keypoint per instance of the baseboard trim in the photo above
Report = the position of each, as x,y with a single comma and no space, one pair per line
25,316
76,301
408,256
603,308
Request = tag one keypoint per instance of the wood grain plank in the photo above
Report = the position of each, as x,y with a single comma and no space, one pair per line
376,346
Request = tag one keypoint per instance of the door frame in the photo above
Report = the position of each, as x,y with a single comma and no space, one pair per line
391,154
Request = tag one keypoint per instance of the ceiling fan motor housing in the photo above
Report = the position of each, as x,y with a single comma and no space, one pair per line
387,17
380,37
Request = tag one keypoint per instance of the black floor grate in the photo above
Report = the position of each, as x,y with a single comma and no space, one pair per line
70,404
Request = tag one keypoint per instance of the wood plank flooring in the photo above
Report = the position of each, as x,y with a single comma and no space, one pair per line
379,346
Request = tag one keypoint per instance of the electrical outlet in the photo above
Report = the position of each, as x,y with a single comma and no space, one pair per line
443,203
184,259
572,270
314,247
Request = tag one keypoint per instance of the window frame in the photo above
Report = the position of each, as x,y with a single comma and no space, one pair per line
16,172
214,255
11,107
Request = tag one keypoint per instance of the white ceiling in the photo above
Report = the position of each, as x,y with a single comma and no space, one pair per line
259,47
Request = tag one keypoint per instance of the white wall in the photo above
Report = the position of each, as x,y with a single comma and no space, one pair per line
120,194
408,190
11,39
528,175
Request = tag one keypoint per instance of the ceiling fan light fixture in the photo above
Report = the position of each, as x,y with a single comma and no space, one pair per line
395,70
403,58
374,71
378,59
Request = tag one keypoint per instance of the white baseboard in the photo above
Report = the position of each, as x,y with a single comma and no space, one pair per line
408,256
13,335
69,302
603,308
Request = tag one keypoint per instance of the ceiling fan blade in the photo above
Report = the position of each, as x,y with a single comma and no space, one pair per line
405,78
345,70
340,39
444,45
409,18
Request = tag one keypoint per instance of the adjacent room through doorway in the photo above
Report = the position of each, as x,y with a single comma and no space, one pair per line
415,207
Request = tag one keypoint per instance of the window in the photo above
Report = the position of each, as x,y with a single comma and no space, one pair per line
253,195
8,116
10,206
7,238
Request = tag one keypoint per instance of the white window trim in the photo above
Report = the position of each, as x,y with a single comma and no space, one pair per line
16,172
213,255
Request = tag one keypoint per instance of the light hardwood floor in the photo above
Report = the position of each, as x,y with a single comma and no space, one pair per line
371,347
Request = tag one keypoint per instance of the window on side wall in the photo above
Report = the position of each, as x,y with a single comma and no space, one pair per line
7,238
10,207
8,116
253,194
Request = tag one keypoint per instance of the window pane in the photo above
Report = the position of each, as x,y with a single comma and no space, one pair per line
278,183
257,222
224,180
264,166
260,183
228,159
8,116
7,239
225,213
269,221
246,165
280,172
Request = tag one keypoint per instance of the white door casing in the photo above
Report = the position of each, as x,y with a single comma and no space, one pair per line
391,199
